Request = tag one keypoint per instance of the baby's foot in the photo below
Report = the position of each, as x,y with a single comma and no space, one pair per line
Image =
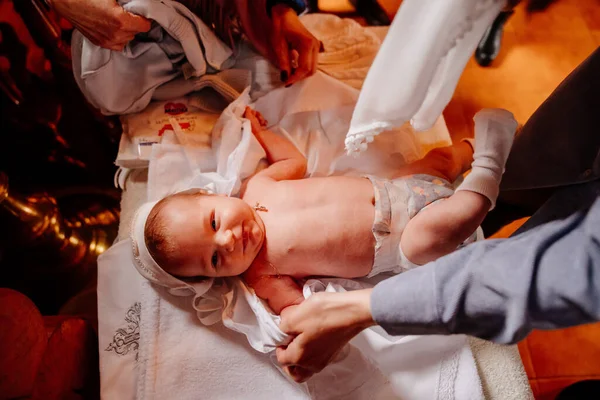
494,134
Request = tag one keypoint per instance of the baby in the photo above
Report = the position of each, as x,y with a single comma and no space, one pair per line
285,227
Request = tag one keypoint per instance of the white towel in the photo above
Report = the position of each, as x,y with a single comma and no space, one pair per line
238,153
218,362
418,66
175,349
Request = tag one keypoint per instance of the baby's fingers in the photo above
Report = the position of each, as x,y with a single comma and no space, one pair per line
261,119
251,115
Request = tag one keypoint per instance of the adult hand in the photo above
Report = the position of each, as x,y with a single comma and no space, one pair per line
295,49
323,325
102,22
282,39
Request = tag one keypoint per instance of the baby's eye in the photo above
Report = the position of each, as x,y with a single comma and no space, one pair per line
213,223
215,259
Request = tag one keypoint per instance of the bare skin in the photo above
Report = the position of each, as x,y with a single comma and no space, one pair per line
285,228
312,229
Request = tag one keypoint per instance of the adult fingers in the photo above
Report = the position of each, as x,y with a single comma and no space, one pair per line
101,40
290,354
281,55
305,63
135,23
298,374
307,60
119,42
122,37
290,321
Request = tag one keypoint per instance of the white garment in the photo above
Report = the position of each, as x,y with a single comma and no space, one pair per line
178,49
190,358
179,357
418,66
358,374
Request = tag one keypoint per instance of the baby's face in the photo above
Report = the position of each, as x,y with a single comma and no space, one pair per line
215,235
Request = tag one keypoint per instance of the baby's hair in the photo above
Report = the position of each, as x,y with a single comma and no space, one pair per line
156,230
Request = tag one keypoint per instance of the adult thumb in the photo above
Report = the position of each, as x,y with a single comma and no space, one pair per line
135,23
281,54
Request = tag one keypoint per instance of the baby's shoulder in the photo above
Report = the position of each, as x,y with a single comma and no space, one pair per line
257,185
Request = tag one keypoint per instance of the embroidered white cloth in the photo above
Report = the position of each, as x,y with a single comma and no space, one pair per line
359,373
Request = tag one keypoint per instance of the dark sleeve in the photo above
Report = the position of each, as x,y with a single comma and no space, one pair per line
299,6
500,290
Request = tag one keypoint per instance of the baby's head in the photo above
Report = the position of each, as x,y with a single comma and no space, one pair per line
194,234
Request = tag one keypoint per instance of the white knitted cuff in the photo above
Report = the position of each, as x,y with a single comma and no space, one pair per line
482,181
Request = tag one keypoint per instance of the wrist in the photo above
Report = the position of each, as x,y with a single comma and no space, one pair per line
358,305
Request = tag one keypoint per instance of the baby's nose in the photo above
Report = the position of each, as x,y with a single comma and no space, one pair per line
227,241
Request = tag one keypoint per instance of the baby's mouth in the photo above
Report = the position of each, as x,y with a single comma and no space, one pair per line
244,240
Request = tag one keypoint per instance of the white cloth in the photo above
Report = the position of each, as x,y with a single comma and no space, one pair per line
228,367
170,60
358,374
173,349
418,66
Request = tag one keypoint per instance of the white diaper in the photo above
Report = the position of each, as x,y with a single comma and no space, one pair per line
397,202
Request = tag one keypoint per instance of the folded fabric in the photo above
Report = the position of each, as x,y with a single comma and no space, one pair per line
225,86
179,44
418,66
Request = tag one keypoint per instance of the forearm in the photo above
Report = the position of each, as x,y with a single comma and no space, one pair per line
500,290
277,147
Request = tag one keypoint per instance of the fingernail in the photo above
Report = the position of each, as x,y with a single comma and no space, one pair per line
321,48
284,76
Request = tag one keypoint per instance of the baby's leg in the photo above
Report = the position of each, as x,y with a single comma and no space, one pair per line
444,162
441,228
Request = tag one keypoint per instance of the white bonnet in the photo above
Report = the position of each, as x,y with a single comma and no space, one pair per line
149,268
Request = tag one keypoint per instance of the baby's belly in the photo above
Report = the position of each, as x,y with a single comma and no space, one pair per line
344,254
325,228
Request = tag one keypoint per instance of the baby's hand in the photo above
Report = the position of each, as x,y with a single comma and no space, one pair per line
257,121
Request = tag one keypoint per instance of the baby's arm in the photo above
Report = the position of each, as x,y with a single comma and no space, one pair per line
280,291
286,160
